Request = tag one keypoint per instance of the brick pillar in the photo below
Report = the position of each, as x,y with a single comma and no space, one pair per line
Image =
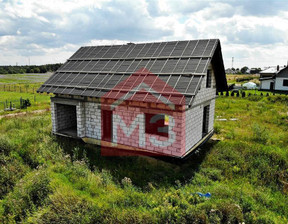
54,117
80,111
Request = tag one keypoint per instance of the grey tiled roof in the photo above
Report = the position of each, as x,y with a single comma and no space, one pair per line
96,70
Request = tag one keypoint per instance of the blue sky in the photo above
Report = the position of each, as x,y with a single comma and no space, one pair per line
255,32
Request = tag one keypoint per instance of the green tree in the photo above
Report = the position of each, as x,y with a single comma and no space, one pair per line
244,70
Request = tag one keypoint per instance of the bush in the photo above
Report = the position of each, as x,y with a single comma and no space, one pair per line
6,145
11,170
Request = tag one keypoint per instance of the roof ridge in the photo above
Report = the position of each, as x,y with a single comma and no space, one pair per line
170,41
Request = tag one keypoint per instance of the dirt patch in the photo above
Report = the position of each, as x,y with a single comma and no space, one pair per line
24,113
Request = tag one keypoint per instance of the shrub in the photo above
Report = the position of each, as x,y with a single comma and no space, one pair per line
6,145
231,213
11,170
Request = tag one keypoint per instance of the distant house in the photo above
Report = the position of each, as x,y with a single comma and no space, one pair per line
274,79
230,71
149,97
248,71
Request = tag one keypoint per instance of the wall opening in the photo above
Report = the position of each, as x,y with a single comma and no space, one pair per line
107,125
271,86
205,126
157,124
66,119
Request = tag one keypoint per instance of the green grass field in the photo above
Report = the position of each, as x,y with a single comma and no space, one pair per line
23,78
44,179
38,101
16,86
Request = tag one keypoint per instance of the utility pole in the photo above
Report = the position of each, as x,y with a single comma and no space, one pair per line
232,62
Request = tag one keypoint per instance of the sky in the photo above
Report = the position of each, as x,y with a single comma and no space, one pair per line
253,32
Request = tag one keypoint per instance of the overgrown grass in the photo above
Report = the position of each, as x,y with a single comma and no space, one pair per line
44,179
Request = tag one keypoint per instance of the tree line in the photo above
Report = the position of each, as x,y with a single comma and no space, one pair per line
244,70
10,69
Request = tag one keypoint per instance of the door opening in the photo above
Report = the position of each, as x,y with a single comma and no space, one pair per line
107,128
66,117
271,86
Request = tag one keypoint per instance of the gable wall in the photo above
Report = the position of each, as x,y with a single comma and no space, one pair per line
279,84
205,94
194,116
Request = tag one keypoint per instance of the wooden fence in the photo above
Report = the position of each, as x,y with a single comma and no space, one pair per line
20,88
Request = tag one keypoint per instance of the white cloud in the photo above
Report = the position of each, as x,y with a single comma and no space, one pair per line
253,32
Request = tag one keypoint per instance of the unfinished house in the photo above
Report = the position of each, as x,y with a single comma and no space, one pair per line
156,97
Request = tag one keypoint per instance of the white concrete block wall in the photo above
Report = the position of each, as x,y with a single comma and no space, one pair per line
211,115
81,125
53,117
193,126
205,94
194,116
92,120
194,123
